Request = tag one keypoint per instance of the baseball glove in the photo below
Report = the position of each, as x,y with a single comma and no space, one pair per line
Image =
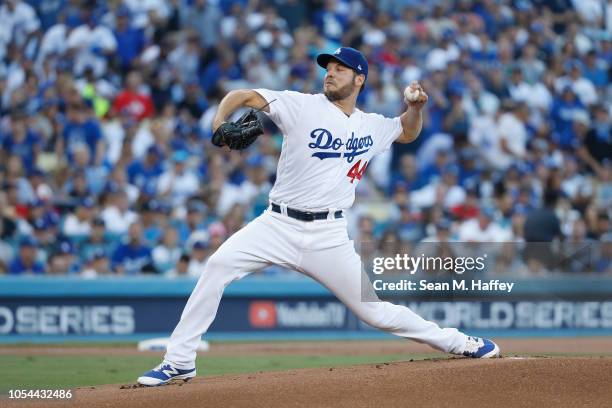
240,134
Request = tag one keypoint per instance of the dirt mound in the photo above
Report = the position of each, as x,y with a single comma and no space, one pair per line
506,382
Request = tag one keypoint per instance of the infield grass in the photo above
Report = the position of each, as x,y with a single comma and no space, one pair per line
66,371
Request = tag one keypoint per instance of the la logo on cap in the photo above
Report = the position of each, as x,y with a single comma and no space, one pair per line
338,51
359,67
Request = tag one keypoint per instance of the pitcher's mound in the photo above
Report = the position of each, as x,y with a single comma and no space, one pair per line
506,382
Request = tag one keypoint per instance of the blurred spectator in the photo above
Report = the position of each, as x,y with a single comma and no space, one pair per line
97,241
132,100
193,227
167,253
484,228
63,260
21,142
25,261
117,214
197,259
603,260
152,230
91,43
205,17
542,226
130,40
144,173
97,265
512,135
181,268
179,182
20,25
81,129
79,223
132,257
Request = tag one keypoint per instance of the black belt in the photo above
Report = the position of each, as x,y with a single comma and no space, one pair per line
306,215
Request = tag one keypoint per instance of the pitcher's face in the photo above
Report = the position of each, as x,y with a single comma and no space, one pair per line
340,81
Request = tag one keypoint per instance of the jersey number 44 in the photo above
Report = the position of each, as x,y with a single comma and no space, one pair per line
356,172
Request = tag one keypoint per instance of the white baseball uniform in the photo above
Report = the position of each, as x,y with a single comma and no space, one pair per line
324,155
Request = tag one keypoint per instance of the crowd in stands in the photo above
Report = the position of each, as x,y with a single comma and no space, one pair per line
106,107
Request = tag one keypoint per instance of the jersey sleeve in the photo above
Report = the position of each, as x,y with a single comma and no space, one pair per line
285,107
387,130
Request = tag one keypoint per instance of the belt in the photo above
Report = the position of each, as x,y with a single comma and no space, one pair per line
306,215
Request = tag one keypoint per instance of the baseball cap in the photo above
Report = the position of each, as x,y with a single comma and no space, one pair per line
96,254
65,248
86,202
40,224
180,156
155,150
28,241
196,206
151,205
199,245
348,56
444,224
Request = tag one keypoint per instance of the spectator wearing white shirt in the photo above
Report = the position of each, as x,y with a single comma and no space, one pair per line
19,25
182,268
512,136
148,13
198,258
54,42
483,228
79,222
179,182
253,188
167,253
582,87
117,215
91,44
97,265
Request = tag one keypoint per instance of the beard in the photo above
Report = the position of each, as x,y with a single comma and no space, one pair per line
341,93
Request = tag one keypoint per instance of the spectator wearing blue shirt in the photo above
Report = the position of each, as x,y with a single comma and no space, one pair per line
21,142
433,171
132,257
152,231
145,172
595,70
563,111
98,240
48,11
25,262
81,128
64,261
193,222
224,68
330,22
130,40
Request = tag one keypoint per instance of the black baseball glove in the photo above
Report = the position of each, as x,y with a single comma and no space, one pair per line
240,134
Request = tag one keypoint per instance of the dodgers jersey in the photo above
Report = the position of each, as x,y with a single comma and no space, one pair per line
324,152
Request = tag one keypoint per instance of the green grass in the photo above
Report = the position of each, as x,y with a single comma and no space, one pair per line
44,371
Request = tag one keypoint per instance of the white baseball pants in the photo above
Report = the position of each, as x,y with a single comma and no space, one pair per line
320,249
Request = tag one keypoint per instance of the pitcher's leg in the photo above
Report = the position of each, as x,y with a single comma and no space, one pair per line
252,248
339,269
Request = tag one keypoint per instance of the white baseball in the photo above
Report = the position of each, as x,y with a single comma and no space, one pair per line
411,95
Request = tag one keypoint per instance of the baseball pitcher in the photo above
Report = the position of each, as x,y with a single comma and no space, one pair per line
327,145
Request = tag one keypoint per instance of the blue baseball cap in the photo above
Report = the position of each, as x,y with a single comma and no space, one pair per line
28,241
348,56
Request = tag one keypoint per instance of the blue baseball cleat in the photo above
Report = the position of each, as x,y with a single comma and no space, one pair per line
165,373
477,347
